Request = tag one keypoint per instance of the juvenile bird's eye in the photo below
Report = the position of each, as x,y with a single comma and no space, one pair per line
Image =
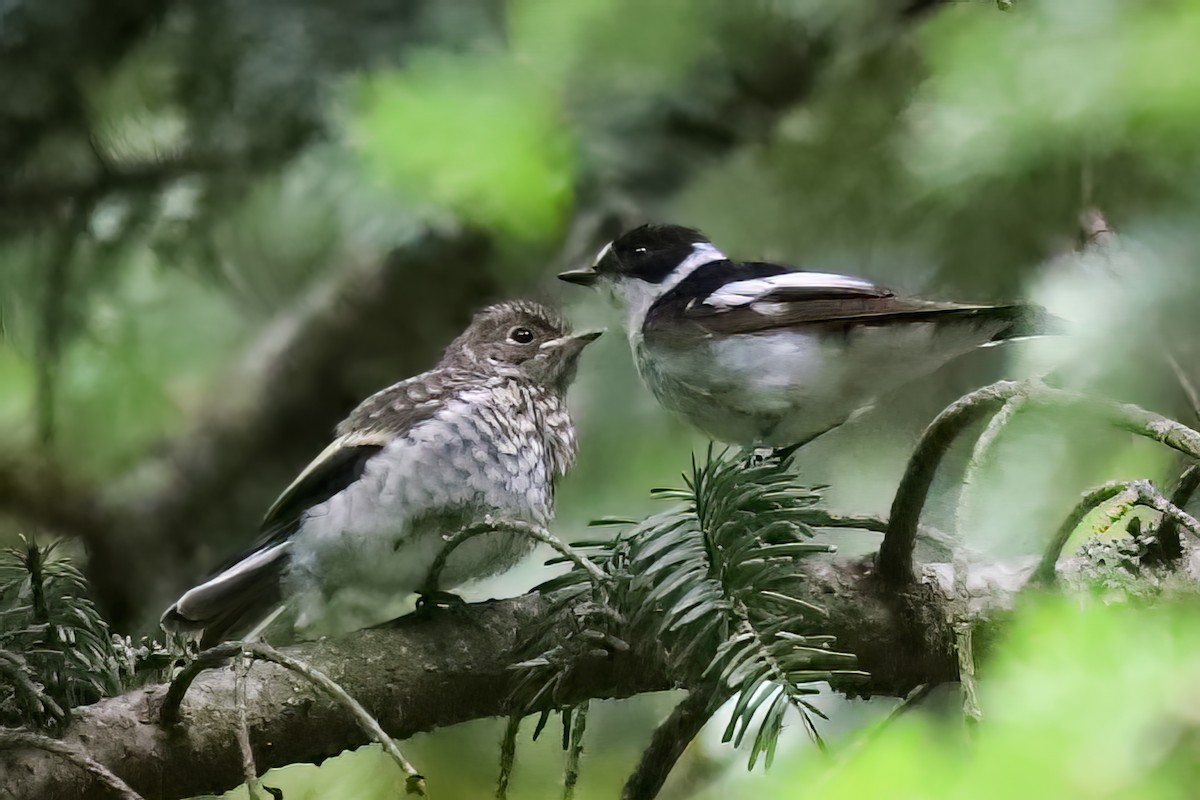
521,335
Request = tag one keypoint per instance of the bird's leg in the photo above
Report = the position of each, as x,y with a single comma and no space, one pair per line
784,453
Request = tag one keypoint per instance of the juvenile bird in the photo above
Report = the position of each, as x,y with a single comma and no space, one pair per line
768,355
486,433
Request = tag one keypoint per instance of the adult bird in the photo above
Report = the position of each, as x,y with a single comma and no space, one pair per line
485,434
768,355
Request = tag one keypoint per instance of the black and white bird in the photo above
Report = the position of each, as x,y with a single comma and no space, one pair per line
485,434
767,355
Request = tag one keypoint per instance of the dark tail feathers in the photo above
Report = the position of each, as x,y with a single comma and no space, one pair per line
1026,321
233,601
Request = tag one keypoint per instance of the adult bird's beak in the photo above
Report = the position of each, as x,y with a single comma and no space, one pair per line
580,277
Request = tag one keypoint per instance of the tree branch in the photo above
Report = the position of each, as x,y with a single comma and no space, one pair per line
1169,547
894,562
417,674
670,739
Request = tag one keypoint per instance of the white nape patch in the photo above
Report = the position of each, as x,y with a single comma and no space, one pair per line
603,252
740,293
702,253
638,296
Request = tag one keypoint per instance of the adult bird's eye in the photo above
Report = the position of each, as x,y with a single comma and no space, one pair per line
639,250
521,335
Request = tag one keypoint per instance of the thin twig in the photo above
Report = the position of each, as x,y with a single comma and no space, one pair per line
535,532
14,670
1130,493
670,739
894,563
575,750
966,674
1168,546
10,739
819,518
508,754
1185,382
1098,235
241,667
980,455
1046,572
846,754
169,715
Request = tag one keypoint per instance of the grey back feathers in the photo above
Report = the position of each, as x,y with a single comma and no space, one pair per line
486,432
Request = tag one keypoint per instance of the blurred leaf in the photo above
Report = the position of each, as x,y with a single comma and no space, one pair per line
478,134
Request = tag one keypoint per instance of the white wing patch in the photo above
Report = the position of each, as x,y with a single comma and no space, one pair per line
741,293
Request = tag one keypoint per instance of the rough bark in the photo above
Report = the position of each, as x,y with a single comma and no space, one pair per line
422,673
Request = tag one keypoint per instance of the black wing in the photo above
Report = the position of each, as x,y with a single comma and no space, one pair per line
756,297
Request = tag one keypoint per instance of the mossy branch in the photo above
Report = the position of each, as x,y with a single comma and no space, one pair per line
894,564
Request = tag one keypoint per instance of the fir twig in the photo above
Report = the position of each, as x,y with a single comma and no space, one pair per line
508,754
574,749
966,673
710,585
10,739
214,656
820,518
670,739
241,667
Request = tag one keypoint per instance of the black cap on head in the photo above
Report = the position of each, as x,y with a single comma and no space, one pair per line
649,252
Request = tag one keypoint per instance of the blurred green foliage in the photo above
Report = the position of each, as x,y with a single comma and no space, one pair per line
1084,701
947,154
478,135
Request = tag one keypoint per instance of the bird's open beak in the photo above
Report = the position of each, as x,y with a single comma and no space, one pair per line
580,277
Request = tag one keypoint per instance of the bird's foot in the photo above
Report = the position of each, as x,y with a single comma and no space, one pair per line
428,603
